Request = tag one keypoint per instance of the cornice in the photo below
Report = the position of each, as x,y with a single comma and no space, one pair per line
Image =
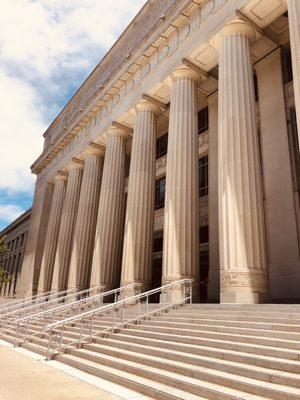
106,97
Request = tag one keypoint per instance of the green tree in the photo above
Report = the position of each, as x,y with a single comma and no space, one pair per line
4,275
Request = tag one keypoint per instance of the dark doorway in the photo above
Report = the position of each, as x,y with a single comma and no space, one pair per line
157,265
204,265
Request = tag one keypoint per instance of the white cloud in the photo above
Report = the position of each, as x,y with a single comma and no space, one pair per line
21,126
9,212
46,34
44,46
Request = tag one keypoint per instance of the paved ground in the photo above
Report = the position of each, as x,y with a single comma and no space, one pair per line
26,376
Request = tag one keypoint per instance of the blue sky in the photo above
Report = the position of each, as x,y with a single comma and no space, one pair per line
47,49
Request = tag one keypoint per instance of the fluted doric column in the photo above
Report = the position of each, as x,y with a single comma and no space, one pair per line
138,238
180,257
108,239
67,226
242,241
84,234
294,26
52,234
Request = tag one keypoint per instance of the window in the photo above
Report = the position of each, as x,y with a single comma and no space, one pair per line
203,120
160,193
158,243
255,87
287,69
204,274
162,146
203,176
203,234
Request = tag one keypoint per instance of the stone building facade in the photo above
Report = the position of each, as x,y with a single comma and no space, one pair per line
16,235
178,157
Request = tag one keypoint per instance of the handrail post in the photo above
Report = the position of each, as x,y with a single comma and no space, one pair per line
49,343
147,304
114,319
26,330
17,334
138,309
80,336
122,315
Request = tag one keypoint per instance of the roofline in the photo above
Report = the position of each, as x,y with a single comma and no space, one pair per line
102,60
17,221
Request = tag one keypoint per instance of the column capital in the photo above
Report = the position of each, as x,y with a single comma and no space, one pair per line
94,148
182,72
144,105
236,26
61,176
114,131
75,164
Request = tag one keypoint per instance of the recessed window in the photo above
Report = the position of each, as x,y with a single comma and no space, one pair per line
162,146
203,234
160,193
203,176
287,68
203,120
158,243
255,87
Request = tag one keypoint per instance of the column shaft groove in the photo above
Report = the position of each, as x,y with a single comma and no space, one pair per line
83,243
52,235
108,239
138,239
242,236
180,255
66,230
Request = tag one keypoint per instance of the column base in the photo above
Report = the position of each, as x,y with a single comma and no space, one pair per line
133,291
243,298
177,294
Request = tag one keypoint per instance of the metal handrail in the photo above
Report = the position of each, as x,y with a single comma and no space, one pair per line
4,308
51,300
45,297
86,319
21,325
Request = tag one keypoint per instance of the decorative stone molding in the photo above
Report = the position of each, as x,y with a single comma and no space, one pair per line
254,280
131,77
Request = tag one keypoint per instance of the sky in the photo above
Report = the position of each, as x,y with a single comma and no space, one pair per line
47,49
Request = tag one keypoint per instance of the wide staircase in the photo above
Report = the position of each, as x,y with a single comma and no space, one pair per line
179,350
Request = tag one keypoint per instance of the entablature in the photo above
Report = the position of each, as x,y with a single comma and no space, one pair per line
185,35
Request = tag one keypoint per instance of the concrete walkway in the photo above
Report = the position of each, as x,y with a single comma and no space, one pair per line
27,376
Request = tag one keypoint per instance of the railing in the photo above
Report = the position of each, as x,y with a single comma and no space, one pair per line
21,326
21,303
171,295
50,301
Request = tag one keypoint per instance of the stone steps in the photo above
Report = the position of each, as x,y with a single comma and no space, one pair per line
194,330
237,324
212,316
193,352
169,386
198,354
202,345
123,359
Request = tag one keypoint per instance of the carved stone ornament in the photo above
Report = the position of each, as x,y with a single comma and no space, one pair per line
253,280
